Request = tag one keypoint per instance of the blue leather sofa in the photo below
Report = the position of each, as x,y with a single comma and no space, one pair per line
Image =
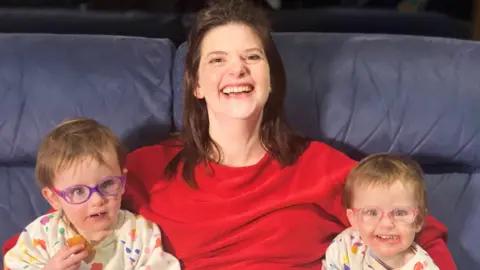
360,93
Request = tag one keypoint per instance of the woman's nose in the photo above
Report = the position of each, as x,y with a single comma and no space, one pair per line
238,68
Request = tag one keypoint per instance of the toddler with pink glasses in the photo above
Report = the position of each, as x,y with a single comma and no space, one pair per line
385,198
80,171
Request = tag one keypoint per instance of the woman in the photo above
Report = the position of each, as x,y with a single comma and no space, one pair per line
240,190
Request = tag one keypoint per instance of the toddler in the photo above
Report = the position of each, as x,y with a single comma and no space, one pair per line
385,199
80,172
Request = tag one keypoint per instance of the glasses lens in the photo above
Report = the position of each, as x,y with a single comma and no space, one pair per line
77,194
111,186
403,214
370,214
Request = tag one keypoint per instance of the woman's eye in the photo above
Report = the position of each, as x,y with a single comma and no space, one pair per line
254,57
216,60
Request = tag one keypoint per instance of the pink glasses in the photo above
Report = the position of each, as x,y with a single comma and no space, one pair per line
373,215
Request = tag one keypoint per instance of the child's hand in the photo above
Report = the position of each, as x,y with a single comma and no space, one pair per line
67,258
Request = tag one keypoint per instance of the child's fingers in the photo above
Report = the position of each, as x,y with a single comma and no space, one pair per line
75,266
65,252
74,259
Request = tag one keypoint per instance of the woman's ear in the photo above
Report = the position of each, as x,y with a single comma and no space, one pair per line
198,93
352,219
51,198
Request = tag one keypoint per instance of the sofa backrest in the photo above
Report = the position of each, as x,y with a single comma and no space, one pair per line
121,82
373,93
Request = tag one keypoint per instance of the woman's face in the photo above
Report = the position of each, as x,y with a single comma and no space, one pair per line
233,75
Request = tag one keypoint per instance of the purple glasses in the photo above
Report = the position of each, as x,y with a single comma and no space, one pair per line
108,186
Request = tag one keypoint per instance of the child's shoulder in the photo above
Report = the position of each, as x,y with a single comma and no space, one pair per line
421,259
131,220
348,235
45,221
130,216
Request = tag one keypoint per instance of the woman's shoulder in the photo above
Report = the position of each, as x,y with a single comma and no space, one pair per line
159,153
320,152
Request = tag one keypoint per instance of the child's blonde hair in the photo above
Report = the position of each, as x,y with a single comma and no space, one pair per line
75,140
384,170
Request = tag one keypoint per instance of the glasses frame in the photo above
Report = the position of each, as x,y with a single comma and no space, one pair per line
415,211
91,190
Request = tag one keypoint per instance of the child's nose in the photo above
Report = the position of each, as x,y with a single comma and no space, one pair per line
387,219
97,199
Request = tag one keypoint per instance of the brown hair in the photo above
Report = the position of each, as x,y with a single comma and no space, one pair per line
383,170
71,141
277,138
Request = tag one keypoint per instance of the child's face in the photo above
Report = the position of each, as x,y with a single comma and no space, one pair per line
382,234
96,215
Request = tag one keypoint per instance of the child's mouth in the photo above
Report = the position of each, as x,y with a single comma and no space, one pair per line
98,215
388,238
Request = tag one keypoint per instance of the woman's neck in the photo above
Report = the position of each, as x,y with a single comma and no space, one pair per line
239,142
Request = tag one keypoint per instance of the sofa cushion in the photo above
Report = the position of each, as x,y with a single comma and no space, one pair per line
470,235
20,200
122,82
453,200
376,93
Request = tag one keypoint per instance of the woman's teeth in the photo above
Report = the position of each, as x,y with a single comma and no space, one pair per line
237,89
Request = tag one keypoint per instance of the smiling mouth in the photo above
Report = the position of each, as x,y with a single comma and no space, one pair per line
235,90
387,237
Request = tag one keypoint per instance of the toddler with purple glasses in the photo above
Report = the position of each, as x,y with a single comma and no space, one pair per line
80,171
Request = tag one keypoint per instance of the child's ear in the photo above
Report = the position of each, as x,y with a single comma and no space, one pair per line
51,198
124,171
418,227
352,219
419,224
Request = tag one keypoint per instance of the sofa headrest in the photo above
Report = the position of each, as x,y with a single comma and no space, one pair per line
74,21
121,82
377,93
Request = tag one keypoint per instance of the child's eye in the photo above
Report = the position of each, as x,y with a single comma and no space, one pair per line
400,212
371,212
77,192
107,183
